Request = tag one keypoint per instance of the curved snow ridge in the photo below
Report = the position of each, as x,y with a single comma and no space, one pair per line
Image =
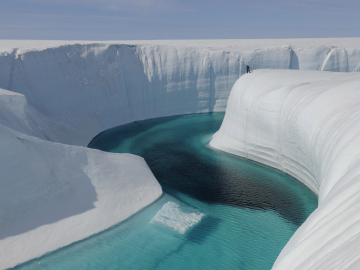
84,88
52,195
305,123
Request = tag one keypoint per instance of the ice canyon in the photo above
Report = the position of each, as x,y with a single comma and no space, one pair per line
55,96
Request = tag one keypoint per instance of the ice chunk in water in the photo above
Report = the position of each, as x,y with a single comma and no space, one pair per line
176,217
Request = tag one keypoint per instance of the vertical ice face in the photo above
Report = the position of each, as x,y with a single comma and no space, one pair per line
87,88
336,60
310,58
306,124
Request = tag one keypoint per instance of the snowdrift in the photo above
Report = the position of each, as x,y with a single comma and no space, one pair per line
305,123
57,94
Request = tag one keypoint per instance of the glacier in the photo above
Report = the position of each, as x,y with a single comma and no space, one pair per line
305,123
55,96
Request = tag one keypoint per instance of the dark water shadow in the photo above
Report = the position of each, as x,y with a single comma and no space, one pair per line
197,235
212,185
206,227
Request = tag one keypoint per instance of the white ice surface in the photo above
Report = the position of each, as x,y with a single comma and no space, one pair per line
305,123
69,91
177,218
52,195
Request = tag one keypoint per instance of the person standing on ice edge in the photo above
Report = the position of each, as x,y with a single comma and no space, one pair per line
247,69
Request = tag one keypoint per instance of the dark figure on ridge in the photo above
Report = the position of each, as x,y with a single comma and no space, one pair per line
247,69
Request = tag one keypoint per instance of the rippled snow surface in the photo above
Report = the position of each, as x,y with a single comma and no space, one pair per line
218,212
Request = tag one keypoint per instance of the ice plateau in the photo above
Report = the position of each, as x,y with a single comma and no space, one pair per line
56,96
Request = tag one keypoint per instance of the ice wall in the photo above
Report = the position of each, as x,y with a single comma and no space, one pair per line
305,123
85,88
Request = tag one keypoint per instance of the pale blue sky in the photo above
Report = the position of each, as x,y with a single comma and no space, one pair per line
175,19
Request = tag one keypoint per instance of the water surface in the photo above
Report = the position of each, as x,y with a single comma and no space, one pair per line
249,211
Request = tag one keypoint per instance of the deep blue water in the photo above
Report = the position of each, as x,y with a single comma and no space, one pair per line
249,210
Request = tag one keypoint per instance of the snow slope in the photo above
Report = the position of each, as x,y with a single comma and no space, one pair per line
305,123
52,195
69,91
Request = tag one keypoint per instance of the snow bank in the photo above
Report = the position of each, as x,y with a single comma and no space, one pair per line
68,92
52,195
306,124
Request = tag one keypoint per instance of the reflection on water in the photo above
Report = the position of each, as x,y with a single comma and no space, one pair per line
248,210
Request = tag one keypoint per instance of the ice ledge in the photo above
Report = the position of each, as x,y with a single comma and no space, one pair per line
306,124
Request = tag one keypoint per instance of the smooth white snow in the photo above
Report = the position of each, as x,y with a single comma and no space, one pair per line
52,195
69,91
305,123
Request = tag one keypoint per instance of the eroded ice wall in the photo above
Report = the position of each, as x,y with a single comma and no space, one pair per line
85,88
305,123
68,92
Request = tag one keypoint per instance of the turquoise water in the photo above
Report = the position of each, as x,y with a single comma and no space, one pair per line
249,211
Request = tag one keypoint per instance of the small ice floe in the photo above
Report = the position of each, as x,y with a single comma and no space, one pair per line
176,217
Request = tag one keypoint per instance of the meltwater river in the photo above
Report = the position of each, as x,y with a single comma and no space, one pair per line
218,211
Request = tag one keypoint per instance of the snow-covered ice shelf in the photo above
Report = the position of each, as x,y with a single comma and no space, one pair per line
67,92
305,123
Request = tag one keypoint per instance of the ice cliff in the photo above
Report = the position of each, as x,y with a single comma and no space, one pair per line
306,124
78,90
58,94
